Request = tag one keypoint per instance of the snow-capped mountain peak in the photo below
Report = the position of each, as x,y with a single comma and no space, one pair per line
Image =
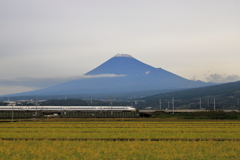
122,64
130,75
123,55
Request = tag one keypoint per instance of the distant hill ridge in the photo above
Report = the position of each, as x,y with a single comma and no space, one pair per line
227,95
226,89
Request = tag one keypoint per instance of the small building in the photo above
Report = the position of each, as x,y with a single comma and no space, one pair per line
10,103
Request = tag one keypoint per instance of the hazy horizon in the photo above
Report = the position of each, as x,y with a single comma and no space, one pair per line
44,43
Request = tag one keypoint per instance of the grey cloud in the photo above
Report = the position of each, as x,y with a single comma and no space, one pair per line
194,78
62,38
222,78
15,89
48,81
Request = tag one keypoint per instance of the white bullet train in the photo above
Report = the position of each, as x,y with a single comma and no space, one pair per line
67,108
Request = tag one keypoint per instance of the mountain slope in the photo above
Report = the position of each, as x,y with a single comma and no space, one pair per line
130,75
122,64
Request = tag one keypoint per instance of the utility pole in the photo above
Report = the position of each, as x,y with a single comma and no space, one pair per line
214,104
12,113
200,103
160,104
173,105
208,103
168,104
110,103
36,105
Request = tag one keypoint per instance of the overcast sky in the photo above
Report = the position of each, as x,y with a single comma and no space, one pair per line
43,43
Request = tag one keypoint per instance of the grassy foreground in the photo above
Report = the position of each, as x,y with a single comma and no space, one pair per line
65,145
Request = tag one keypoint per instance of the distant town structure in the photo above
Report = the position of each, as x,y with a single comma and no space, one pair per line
20,102
10,103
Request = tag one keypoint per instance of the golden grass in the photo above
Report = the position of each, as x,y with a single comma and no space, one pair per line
179,150
118,150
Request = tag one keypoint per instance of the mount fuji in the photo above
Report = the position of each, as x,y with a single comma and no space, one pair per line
120,74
